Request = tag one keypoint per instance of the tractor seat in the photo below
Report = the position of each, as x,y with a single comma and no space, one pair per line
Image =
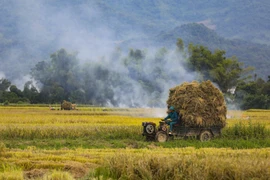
177,124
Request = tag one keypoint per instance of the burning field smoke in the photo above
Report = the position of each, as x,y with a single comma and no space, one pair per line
103,73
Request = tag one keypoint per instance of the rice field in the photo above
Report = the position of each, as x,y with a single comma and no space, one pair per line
106,143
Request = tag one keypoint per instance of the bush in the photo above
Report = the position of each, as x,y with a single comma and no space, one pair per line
6,103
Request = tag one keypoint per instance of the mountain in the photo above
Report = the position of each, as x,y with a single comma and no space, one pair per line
249,53
242,19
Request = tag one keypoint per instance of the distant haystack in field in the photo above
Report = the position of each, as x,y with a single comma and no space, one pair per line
201,104
68,105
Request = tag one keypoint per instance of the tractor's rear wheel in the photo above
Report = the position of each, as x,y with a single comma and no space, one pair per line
161,136
205,136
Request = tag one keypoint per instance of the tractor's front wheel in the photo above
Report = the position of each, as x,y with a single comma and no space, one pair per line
150,129
161,136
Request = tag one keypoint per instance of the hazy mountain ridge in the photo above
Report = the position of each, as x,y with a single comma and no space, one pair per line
243,19
232,19
251,54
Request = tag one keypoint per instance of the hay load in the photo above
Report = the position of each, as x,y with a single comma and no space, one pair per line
201,104
66,105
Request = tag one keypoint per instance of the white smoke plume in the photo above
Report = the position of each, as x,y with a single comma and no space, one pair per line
2,75
45,26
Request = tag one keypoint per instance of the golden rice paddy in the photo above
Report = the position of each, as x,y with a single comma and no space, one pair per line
30,124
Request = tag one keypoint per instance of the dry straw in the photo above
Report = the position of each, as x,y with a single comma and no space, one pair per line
66,105
201,104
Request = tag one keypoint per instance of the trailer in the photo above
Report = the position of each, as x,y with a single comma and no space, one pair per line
161,133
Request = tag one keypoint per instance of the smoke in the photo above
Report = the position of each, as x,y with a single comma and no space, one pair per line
162,69
40,27
2,75
44,26
20,82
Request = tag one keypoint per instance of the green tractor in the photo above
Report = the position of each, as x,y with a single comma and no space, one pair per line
161,133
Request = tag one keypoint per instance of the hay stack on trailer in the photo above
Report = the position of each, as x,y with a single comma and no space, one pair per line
201,104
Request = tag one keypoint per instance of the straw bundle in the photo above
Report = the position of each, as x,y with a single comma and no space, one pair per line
66,105
201,104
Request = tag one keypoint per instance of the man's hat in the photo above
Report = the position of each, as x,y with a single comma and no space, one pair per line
172,108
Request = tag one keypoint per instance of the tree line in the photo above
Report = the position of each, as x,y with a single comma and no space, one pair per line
138,78
241,89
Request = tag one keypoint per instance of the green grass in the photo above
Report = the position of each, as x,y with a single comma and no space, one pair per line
139,142
238,136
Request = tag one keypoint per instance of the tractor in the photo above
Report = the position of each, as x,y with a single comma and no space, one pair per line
180,131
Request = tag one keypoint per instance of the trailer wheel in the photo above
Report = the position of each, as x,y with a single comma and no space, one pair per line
150,129
205,136
161,136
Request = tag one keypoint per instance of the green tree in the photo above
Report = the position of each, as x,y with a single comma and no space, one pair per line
31,92
134,64
266,88
60,78
200,60
215,66
4,84
226,74
15,90
10,97
253,94
257,101
64,68
180,45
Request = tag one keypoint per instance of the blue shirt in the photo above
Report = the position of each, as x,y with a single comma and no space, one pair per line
173,116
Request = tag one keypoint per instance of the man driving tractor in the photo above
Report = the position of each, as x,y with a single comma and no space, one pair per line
172,118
